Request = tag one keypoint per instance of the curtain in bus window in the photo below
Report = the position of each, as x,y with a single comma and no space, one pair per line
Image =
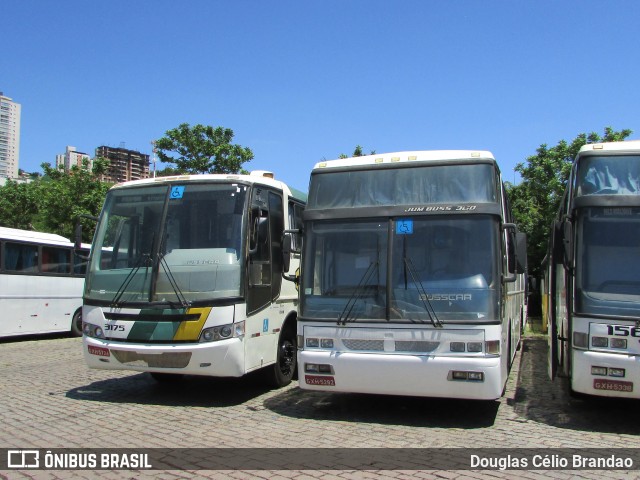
55,260
21,258
404,186
609,176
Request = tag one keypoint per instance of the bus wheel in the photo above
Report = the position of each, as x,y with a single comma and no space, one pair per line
76,323
281,373
166,377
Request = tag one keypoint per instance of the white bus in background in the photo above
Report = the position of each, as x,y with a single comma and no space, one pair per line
186,277
41,282
410,283
592,277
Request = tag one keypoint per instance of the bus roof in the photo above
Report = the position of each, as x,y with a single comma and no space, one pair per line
618,147
31,236
256,177
405,157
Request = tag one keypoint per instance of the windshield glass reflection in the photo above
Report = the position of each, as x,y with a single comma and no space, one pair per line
178,243
444,266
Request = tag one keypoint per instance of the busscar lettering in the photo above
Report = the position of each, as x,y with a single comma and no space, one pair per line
449,297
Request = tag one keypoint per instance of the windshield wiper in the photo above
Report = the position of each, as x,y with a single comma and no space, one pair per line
144,259
422,292
357,293
172,281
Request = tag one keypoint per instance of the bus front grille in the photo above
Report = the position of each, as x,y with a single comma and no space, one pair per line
364,345
416,346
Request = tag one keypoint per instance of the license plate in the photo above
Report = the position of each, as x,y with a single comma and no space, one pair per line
613,385
319,380
100,351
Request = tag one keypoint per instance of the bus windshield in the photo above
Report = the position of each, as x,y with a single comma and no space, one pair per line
168,243
404,270
609,175
608,261
404,186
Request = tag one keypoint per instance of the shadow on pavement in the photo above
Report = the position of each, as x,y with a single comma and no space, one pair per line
190,391
384,409
539,399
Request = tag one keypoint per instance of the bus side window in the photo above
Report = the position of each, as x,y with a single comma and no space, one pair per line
21,258
56,260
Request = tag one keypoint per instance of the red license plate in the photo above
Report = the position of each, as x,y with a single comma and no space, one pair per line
100,351
613,385
319,380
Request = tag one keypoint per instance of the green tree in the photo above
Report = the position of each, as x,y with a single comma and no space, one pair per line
357,152
536,199
18,205
65,197
202,149
168,172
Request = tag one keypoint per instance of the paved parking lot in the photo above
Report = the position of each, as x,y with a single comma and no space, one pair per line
51,400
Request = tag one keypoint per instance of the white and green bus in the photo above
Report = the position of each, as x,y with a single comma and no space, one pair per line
186,277
412,280
592,284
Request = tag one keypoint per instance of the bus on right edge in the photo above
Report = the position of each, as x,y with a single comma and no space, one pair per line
592,274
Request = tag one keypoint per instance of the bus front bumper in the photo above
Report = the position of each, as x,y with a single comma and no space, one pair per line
224,358
412,375
588,374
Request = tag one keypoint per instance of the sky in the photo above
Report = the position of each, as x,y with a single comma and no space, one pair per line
301,81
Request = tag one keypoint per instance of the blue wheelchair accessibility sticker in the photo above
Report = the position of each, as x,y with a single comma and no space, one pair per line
177,192
265,325
404,226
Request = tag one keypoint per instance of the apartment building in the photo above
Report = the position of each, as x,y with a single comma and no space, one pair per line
72,157
124,164
9,137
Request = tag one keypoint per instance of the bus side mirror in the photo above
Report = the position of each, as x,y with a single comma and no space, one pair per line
77,240
510,274
567,242
77,235
521,252
286,252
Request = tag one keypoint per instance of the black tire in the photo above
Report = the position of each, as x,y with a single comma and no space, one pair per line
166,378
76,323
281,373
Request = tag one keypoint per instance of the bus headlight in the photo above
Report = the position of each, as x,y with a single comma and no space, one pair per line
326,342
222,332
619,343
474,347
313,342
91,330
601,342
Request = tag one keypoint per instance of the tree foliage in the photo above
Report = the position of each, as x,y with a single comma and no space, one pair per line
54,202
202,149
18,205
357,152
536,199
